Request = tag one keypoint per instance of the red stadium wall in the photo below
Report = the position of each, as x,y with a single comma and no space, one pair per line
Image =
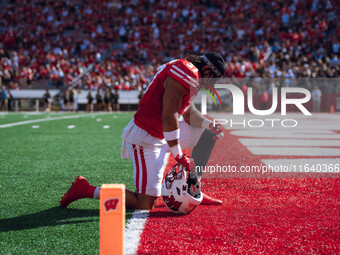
327,100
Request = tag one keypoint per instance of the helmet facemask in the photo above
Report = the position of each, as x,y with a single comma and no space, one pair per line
181,191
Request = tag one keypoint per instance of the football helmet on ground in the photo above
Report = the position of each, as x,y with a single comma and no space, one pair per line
181,190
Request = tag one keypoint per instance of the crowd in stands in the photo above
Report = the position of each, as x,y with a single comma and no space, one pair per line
127,40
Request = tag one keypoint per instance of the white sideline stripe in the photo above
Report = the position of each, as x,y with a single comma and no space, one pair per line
134,230
279,133
288,142
40,120
308,162
294,151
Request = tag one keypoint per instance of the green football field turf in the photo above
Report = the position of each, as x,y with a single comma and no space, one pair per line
37,166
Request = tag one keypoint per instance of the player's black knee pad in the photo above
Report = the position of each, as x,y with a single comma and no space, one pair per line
201,152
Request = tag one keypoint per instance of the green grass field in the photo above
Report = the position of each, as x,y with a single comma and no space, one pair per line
37,166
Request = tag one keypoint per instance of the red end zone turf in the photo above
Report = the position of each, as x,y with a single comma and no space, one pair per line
267,216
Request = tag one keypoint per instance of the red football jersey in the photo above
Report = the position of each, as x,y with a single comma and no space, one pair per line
149,114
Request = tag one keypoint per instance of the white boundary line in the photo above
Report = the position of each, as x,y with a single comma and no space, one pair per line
134,230
305,165
41,120
294,151
135,226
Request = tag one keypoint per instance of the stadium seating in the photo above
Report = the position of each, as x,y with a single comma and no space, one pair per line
62,38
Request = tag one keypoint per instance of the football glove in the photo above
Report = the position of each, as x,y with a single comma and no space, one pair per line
217,130
186,161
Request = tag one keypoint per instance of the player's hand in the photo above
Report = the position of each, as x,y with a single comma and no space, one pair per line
217,130
186,161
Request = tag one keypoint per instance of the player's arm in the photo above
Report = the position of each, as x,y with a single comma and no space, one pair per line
172,100
195,118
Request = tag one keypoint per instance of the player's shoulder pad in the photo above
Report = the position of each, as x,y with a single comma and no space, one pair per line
185,73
